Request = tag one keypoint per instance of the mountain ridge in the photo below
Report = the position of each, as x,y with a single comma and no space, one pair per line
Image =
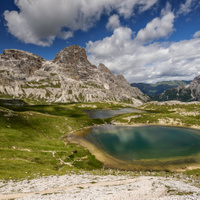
158,87
70,77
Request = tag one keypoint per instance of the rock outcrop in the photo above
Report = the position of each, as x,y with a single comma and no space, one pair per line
195,88
70,77
190,92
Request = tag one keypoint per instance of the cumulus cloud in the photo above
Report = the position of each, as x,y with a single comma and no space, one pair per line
111,46
41,21
197,34
113,23
158,27
142,62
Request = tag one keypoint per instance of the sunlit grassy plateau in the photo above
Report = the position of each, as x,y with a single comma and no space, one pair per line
33,138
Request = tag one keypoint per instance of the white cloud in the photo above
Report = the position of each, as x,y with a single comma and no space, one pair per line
197,34
125,8
113,23
66,34
142,62
157,28
185,8
111,46
41,21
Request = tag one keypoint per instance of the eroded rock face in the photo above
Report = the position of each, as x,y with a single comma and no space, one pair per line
26,62
70,77
195,88
72,55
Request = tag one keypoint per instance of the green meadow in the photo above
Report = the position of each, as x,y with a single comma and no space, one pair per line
33,140
34,137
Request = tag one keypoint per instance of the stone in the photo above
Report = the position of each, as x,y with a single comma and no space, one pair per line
70,77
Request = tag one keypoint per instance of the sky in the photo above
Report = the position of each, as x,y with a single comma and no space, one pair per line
145,40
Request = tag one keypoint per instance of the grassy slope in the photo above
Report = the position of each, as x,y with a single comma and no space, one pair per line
177,115
32,137
32,140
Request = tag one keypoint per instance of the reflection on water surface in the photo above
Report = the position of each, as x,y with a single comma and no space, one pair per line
147,142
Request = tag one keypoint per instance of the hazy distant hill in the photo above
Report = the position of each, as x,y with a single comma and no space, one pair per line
159,87
184,93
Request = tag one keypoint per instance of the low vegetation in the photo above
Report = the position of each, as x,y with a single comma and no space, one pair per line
33,137
33,140
184,115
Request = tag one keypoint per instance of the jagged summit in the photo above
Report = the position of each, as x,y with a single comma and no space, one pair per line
72,55
70,77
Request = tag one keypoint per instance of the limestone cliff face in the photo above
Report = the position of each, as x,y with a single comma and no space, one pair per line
70,77
26,63
195,88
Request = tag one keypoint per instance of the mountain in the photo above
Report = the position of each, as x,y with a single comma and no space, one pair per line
185,93
70,77
159,87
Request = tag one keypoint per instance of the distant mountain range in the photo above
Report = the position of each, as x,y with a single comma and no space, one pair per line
70,77
186,93
172,90
159,87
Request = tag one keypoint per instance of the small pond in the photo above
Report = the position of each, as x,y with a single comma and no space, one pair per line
146,142
103,114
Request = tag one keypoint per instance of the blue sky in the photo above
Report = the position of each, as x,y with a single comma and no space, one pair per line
145,40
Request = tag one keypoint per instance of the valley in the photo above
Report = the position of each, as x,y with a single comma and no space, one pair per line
34,137
45,105
35,152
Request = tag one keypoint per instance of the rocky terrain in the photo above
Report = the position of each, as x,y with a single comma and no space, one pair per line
70,77
86,186
190,92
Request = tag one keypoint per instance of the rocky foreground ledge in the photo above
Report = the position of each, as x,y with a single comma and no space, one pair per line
86,186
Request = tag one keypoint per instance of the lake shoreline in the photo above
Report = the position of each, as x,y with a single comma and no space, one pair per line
155,124
111,162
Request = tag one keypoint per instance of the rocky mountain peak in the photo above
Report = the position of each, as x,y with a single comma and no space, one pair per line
72,55
70,77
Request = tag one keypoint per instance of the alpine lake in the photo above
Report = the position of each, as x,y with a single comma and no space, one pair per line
140,147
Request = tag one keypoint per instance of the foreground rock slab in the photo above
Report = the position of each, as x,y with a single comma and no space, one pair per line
87,186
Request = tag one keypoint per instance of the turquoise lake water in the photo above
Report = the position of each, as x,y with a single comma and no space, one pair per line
147,142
